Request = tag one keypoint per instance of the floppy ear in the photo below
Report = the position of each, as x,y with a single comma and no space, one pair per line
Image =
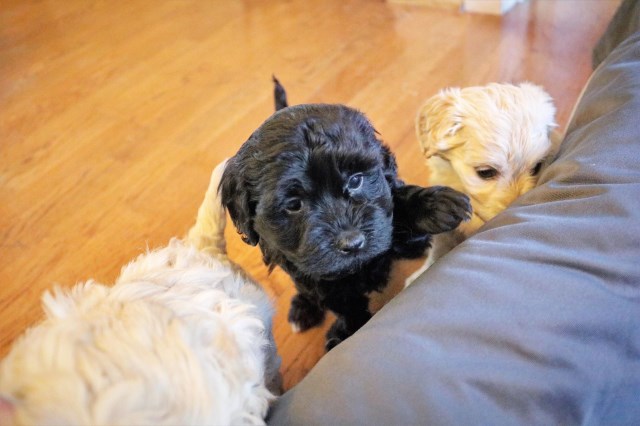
438,120
390,167
236,198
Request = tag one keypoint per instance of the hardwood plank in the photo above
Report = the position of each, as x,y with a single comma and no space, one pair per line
113,115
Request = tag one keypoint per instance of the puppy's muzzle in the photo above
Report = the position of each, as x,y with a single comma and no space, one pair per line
350,241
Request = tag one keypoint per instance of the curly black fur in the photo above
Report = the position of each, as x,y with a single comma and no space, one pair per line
279,94
320,194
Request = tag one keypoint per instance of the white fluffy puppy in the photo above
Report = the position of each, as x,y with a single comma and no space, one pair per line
489,142
183,337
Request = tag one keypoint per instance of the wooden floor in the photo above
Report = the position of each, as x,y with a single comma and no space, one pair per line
112,114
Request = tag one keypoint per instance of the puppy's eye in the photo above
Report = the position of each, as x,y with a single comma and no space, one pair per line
355,182
293,205
536,169
486,173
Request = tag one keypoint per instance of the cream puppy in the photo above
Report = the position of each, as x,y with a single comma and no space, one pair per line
183,337
489,142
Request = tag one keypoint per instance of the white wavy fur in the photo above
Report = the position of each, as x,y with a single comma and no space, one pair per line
181,338
504,126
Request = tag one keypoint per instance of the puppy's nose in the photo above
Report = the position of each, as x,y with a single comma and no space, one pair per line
350,241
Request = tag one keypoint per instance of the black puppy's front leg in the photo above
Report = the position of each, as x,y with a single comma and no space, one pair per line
305,312
430,210
348,322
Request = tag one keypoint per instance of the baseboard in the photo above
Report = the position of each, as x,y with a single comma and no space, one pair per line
444,4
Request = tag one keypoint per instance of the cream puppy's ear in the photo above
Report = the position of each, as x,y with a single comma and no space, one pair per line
438,120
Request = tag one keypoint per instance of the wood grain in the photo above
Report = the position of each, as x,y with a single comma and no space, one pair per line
113,115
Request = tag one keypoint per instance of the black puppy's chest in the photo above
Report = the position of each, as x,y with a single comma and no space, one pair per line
338,294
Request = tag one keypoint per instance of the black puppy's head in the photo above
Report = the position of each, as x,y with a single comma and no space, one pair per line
313,186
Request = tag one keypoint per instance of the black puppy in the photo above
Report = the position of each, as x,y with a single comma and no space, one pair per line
320,194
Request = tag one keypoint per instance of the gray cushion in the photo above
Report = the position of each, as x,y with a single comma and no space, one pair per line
535,319
624,23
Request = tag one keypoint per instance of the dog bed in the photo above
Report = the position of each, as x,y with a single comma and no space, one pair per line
533,320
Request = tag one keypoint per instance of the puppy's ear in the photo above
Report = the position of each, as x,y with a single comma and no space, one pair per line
390,167
236,198
438,120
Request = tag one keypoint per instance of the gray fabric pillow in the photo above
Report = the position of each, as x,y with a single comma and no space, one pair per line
624,23
535,319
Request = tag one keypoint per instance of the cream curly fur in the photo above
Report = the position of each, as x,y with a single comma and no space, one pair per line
183,337
501,126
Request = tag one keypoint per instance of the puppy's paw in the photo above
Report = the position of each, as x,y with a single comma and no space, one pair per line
336,334
441,209
304,313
